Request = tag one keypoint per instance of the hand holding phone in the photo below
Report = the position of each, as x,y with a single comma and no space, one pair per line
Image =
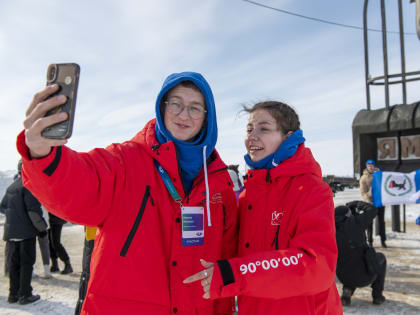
66,76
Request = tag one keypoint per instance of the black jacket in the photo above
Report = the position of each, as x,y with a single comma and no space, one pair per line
54,220
23,213
352,245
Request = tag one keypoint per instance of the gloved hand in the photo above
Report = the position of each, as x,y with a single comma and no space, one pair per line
42,234
353,206
364,206
358,206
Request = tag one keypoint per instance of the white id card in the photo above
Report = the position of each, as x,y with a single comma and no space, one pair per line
192,226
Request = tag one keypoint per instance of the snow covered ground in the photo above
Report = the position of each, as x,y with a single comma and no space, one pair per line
402,285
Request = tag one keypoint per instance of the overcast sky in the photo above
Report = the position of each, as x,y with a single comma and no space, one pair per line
247,53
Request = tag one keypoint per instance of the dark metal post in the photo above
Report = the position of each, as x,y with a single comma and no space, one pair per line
385,53
404,218
404,84
365,39
395,214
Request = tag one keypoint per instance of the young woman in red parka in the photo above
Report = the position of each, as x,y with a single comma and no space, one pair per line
287,251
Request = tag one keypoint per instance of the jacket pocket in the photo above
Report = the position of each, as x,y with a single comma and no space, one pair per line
136,224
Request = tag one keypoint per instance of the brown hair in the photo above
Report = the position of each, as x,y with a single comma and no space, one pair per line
286,117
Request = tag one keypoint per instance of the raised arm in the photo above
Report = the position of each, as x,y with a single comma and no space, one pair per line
78,187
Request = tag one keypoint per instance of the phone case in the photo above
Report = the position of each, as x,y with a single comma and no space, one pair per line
66,75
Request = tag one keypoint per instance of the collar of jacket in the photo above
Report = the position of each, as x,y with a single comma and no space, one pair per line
366,172
166,155
302,162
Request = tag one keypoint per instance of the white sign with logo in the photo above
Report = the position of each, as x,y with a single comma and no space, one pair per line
398,188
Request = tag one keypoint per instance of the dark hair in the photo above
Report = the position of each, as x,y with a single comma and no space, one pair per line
189,84
286,117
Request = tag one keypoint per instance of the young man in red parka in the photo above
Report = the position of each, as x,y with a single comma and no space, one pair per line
287,251
161,201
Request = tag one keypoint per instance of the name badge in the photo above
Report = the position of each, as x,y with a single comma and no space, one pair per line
192,226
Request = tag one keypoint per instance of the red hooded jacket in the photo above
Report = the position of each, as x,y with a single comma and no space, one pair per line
138,263
287,248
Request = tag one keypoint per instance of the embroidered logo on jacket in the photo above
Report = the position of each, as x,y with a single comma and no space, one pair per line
276,217
216,198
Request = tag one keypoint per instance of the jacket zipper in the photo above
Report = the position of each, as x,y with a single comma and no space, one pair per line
136,224
276,239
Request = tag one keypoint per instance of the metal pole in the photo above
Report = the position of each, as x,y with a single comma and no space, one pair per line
385,53
404,85
365,40
395,217
404,217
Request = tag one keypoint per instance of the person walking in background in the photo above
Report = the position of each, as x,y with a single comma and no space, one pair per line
23,223
89,243
57,249
44,246
161,201
366,192
8,245
7,249
287,251
358,264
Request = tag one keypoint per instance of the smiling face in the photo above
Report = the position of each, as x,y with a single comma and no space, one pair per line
182,126
263,135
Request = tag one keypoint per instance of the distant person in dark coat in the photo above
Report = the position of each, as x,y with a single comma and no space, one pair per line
7,251
57,249
358,264
23,223
8,245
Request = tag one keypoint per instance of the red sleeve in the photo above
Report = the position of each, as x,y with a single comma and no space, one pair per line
307,267
68,183
229,246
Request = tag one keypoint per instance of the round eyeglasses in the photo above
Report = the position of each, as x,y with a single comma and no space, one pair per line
194,111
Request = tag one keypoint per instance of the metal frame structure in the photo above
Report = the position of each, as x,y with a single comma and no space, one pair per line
386,79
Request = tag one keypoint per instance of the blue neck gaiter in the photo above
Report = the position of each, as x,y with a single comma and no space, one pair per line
287,149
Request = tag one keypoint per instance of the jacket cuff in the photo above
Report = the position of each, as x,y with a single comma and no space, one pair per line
226,272
47,164
216,283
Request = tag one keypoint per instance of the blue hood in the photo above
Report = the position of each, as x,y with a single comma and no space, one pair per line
190,154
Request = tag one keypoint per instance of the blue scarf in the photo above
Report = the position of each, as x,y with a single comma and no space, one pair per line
287,149
190,154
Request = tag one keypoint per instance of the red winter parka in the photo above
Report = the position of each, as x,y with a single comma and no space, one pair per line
138,263
287,248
